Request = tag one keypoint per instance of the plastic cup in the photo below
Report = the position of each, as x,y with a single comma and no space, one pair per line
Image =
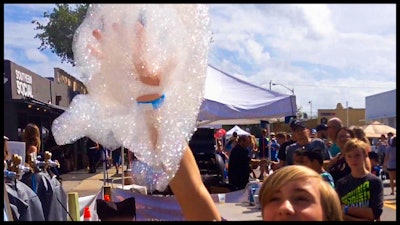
221,198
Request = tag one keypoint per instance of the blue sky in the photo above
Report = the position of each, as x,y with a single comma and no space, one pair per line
327,53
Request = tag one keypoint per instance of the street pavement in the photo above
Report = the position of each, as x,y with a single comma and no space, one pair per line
389,209
86,184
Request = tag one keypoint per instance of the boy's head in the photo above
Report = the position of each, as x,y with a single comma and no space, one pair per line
355,153
298,156
374,157
313,159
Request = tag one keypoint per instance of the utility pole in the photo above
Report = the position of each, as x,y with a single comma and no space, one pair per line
347,114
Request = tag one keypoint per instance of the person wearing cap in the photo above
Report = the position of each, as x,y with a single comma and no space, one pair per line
303,140
322,131
282,151
313,133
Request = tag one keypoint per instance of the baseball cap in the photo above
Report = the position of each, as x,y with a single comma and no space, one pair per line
313,131
321,126
296,124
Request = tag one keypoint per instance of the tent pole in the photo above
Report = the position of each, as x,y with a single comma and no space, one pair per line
123,164
269,147
104,166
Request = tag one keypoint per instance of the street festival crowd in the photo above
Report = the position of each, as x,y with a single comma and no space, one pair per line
343,159
326,173
344,162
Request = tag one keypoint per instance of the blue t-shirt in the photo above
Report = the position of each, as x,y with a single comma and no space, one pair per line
274,150
328,178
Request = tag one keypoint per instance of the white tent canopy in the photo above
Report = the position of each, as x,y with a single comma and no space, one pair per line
227,98
376,129
236,129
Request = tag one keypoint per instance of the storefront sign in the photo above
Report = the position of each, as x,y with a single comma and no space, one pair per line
24,84
327,114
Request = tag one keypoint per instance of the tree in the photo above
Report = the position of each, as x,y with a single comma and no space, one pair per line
57,35
300,114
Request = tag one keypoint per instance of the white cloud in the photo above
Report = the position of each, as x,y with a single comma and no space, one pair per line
318,17
328,53
36,56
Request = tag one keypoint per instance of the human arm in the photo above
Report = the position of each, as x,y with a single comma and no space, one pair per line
31,149
277,165
332,161
30,156
349,213
358,214
369,212
225,154
281,157
193,197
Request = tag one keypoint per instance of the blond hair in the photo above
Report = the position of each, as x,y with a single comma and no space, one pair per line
253,140
330,202
356,143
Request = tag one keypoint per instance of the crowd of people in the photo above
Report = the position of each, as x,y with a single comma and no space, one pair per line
342,157
325,173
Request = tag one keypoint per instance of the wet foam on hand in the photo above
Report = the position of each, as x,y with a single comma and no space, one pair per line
176,44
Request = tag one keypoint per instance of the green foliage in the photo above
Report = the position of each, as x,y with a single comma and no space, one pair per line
57,35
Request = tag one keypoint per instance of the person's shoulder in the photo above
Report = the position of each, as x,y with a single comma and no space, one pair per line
345,179
317,140
372,177
334,145
327,176
293,145
32,147
326,173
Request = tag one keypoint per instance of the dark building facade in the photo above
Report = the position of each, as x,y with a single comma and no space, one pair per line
31,98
